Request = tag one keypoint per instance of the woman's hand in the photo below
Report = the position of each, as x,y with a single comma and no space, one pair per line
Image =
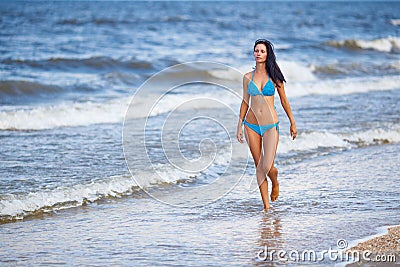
293,130
239,133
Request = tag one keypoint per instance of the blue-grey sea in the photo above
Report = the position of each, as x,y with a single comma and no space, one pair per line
83,183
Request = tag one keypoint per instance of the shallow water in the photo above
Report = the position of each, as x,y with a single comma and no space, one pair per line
338,196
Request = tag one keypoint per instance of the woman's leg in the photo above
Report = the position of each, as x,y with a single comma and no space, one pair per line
270,142
254,141
273,175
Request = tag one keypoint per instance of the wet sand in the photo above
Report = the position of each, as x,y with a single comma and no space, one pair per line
389,242
382,249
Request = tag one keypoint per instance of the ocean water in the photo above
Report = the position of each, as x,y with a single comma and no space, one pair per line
78,80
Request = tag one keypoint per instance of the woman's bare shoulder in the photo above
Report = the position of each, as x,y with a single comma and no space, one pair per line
247,75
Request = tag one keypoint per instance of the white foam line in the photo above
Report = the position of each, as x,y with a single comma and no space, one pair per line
387,44
113,111
314,140
19,206
343,86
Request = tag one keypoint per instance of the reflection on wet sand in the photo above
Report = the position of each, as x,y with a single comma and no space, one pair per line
270,229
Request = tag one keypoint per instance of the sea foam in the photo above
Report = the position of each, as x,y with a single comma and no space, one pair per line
388,44
113,111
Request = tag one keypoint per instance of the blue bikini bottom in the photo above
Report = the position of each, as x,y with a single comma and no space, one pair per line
261,129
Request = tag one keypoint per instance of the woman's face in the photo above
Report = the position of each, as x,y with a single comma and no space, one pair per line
260,53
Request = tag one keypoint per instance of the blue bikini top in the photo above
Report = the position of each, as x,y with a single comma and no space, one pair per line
268,90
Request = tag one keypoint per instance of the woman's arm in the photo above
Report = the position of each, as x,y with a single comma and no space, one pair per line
243,109
286,106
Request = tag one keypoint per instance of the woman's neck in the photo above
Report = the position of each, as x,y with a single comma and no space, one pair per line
260,67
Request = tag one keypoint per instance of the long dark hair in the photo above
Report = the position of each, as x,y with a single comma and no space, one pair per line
271,66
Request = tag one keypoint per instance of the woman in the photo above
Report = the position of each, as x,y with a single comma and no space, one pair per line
261,121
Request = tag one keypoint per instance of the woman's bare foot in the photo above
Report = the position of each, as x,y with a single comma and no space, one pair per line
275,191
266,208
273,175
